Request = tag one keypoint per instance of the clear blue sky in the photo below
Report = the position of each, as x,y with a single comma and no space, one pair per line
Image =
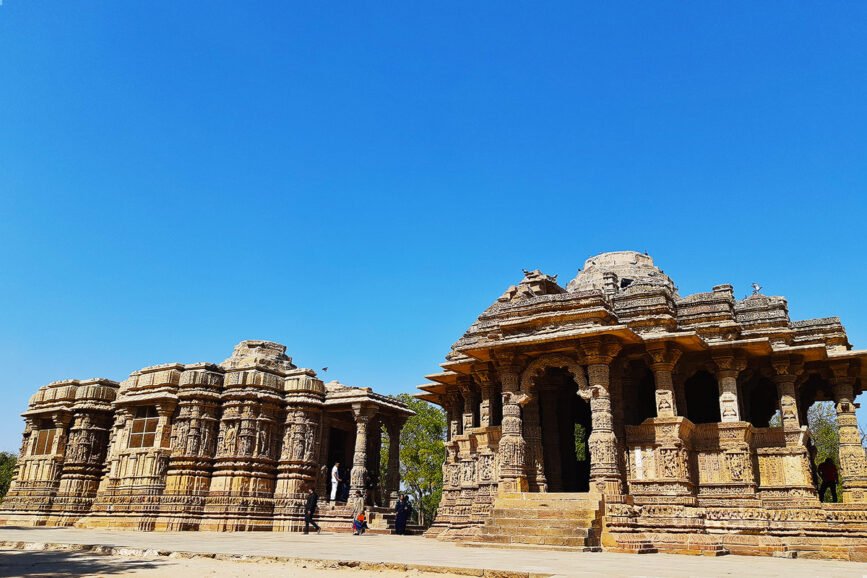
359,180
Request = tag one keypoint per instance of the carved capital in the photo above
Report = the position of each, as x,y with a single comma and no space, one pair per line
363,412
600,350
510,379
730,364
844,393
663,356
786,366
467,389
484,376
515,398
453,401
843,371
507,362
165,408
61,419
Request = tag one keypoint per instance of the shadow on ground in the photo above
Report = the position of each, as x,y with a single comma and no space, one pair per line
40,528
39,563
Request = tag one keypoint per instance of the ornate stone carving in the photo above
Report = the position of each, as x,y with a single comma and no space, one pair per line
181,447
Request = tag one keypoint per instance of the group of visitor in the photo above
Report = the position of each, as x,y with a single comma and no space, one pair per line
339,484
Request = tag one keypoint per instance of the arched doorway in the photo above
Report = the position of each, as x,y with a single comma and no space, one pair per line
566,426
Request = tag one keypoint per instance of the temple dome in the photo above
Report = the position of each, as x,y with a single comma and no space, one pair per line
630,267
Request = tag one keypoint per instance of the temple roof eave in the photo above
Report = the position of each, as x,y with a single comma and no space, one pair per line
48,410
811,352
428,397
433,392
483,351
686,340
754,347
463,365
344,397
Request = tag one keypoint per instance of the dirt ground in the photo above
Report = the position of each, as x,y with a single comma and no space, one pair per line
42,564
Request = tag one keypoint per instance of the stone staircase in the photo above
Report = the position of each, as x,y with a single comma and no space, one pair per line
559,521
337,517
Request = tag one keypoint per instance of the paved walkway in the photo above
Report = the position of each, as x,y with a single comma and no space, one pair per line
423,551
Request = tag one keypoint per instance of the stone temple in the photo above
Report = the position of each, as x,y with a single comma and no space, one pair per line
615,413
232,446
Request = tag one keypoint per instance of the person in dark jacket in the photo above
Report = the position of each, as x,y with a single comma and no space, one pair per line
828,473
309,510
402,510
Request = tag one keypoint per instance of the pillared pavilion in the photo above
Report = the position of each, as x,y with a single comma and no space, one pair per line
614,412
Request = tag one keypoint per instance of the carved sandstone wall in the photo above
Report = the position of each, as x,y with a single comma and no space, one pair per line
233,446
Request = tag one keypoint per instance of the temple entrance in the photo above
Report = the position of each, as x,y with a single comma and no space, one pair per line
340,446
566,426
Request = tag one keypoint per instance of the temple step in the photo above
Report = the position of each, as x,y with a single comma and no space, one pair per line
512,546
337,517
543,513
579,527
539,520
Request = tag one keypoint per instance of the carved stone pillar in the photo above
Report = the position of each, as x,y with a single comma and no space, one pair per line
297,468
85,452
393,427
61,422
853,463
513,447
165,410
797,472
246,460
193,445
374,454
663,359
83,462
486,388
728,368
786,373
605,475
453,403
533,435
468,394
358,475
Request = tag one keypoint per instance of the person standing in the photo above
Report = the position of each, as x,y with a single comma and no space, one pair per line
335,480
310,509
402,511
828,473
357,504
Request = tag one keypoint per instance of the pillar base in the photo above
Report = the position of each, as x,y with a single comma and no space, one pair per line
512,485
855,492
607,487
